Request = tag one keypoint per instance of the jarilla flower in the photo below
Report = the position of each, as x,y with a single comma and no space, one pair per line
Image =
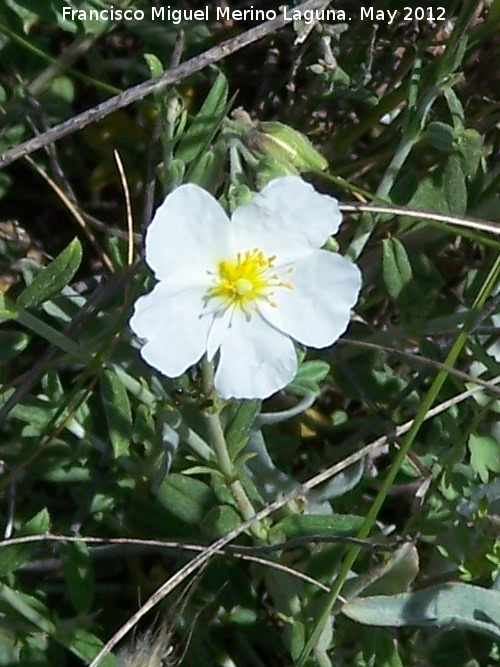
244,287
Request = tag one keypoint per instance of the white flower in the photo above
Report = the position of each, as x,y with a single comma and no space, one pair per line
245,287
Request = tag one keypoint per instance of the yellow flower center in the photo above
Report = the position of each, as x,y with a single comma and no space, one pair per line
249,278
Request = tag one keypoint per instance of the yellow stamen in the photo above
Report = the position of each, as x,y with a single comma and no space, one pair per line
247,279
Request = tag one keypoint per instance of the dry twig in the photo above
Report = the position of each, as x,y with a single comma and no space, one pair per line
139,92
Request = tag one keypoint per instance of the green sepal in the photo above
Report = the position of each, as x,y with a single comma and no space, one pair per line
285,144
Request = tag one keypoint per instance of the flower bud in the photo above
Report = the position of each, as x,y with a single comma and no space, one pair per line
286,145
270,168
239,195
331,244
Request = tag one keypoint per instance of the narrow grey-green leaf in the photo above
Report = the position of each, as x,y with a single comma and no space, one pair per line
455,605
54,277
268,418
205,123
118,413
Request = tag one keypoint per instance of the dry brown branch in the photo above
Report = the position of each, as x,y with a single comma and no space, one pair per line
243,553
140,91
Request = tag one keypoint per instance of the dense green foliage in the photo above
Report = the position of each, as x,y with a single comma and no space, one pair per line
401,542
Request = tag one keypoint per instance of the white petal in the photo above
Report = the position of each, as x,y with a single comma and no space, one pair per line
220,324
255,361
288,219
317,310
173,326
188,234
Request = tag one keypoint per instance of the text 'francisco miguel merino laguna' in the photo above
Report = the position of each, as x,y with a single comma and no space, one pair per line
177,16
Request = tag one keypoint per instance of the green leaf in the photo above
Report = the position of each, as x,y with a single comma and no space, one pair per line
78,573
36,412
297,638
238,430
396,267
456,647
380,649
85,645
221,520
458,605
63,88
394,576
174,175
8,311
309,375
484,455
80,642
455,107
14,556
92,25
205,123
54,277
339,485
454,185
207,171
470,147
29,607
12,343
186,498
156,69
443,191
118,412
44,10
301,525
259,472
201,168
154,64
441,136
313,371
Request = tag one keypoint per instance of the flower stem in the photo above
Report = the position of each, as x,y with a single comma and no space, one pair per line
218,441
